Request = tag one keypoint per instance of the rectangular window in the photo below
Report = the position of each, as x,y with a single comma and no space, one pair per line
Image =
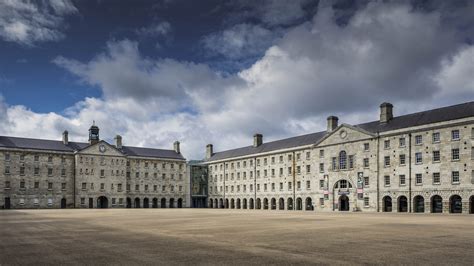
50,186
436,137
321,183
418,158
419,179
50,171
63,186
137,187
7,169
298,156
455,154
84,186
366,162
281,159
366,146
36,158
298,185
366,181
290,157
387,180
50,159
321,153
321,167
455,177
402,142
7,156
455,135
402,159
308,184
298,169
63,172
289,185
386,161
281,171
22,184
308,155
334,163
83,201
351,161
366,201
418,139
22,170
436,156
436,178
37,184
402,180
289,171
281,186
308,169
386,144
22,157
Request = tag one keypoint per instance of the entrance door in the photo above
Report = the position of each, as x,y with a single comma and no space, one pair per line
129,203
387,204
63,203
436,204
343,203
7,203
91,203
102,202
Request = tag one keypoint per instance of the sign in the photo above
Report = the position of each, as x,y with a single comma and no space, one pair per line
360,190
326,192
343,193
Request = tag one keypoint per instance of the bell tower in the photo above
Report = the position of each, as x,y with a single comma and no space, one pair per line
93,134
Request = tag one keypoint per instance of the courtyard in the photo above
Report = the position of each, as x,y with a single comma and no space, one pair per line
220,236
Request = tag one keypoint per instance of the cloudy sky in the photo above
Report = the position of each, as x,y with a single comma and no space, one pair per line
219,71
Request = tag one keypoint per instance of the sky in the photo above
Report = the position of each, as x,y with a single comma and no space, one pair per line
217,72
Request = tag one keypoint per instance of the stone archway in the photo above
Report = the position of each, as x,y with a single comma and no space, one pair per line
455,204
163,203
343,203
251,204
180,203
172,203
155,203
137,202
146,203
309,204
299,204
436,204
471,205
290,204
265,204
63,203
237,205
129,203
281,204
244,204
273,204
402,204
387,204
418,204
102,202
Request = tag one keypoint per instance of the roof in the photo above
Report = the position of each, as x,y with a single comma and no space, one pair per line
458,111
55,145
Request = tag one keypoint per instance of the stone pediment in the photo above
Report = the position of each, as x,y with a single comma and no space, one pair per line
101,148
344,133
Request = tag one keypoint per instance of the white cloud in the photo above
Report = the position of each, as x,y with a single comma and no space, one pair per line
157,29
28,22
386,52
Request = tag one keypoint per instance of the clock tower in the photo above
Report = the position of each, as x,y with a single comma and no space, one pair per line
93,134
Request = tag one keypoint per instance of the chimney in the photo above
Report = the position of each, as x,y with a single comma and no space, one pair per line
386,112
65,137
332,123
118,142
257,140
209,151
176,147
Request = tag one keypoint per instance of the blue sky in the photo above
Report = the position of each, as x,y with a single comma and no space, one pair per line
219,71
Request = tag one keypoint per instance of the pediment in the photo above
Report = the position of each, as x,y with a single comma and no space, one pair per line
101,148
344,133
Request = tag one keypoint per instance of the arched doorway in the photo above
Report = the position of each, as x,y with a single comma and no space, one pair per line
387,204
7,203
211,203
232,204
343,203
273,204
309,204
238,204
455,204
436,204
63,203
216,203
102,202
172,203
290,204
418,204
251,204
299,204
281,204
163,203
137,202
146,203
259,204
265,204
180,203
155,203
471,204
227,203
244,204
129,203
221,203
402,204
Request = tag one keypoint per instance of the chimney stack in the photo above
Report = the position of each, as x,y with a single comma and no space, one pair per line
118,142
209,151
176,147
257,140
332,123
65,137
386,112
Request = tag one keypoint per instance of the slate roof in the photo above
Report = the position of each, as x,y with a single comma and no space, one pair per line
55,145
458,111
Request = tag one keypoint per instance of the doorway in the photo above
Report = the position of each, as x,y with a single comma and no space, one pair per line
343,203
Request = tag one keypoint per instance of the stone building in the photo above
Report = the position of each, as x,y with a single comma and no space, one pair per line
37,173
420,162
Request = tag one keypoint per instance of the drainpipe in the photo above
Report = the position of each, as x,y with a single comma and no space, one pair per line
294,180
378,171
409,173
254,182
223,188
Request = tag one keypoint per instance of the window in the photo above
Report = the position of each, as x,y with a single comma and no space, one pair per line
22,184
436,178
321,153
281,186
334,163
455,154
402,180
146,187
119,187
163,188
419,179
342,160
418,139
298,185
321,167
289,185
455,135
289,170
7,185
102,173
264,161
37,184
455,177
273,173
102,186
84,186
63,172
436,156
281,159
387,180
137,174
50,186
366,146
386,144
366,181
50,171
22,170
264,174
472,153
281,171
50,159
351,161
22,157
298,156
137,187
402,159
308,184
436,137
63,186
7,156
308,168
321,183
289,157
308,155
386,161
298,169
7,169
366,201
402,142
418,158
273,186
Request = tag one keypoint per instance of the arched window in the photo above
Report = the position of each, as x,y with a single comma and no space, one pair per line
342,160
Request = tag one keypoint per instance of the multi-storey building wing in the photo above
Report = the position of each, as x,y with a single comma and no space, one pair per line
36,173
419,162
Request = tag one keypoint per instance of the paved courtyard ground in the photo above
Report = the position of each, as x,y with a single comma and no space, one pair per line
216,236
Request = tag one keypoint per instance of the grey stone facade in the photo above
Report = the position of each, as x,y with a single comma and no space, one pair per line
414,163
55,174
